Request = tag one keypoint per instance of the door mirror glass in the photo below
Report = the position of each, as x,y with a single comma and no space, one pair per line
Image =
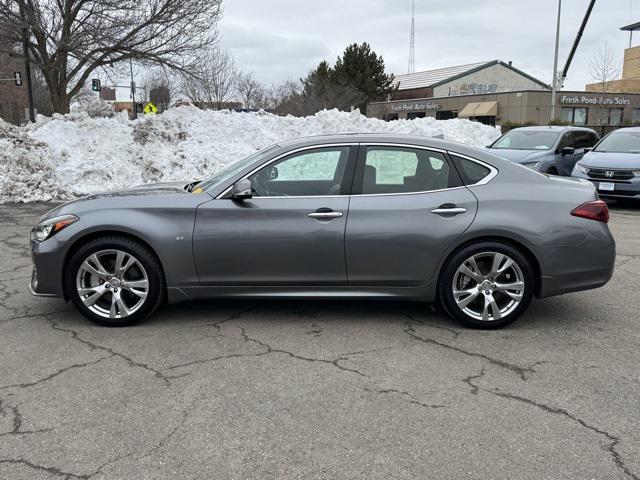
242,189
271,172
567,151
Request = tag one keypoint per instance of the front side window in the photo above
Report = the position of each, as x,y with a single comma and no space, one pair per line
405,170
315,172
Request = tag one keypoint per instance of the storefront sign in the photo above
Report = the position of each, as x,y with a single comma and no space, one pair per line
591,100
413,107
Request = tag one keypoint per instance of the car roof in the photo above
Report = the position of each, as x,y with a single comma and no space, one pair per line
434,141
627,129
554,128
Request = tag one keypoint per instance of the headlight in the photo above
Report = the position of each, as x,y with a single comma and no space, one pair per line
51,226
582,169
531,165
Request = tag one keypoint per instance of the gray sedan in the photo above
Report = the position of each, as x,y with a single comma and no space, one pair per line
343,216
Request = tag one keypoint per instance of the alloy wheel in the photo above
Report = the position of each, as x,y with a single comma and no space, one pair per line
112,283
488,286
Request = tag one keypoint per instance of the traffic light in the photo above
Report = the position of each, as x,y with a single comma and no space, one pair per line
95,85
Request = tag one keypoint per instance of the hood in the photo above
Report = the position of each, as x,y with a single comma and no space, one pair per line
611,160
519,156
167,188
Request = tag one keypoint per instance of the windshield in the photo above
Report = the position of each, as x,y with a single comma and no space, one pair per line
620,142
230,170
527,140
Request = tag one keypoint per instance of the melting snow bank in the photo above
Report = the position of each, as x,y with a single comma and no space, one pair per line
77,154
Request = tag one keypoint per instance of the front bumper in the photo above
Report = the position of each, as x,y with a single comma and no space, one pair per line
33,286
622,188
48,262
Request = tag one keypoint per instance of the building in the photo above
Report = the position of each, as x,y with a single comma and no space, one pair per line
13,99
630,81
497,93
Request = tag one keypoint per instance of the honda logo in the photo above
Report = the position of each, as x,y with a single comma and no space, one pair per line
608,174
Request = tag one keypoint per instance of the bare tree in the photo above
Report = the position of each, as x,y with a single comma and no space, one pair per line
604,69
159,86
213,84
250,91
69,40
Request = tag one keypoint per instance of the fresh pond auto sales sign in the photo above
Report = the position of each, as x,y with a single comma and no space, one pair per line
592,100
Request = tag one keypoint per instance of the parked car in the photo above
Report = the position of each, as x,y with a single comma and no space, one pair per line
342,216
551,149
614,164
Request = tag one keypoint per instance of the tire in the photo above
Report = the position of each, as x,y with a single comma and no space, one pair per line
115,297
483,299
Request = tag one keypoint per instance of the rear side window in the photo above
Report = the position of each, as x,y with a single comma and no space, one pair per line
405,170
471,172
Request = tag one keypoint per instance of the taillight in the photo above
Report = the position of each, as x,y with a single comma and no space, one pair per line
594,210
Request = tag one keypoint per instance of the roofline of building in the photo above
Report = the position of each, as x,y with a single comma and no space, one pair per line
631,28
486,65
430,99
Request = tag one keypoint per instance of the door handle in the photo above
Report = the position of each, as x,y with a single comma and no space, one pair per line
324,215
442,210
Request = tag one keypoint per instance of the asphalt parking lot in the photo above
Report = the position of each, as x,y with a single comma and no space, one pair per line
326,390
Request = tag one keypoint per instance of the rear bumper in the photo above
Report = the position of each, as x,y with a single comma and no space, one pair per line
566,269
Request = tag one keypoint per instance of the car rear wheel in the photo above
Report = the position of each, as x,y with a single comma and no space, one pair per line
115,281
487,285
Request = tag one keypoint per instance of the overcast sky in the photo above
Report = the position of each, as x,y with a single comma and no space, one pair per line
284,39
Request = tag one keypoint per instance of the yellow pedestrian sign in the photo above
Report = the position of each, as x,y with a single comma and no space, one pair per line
150,108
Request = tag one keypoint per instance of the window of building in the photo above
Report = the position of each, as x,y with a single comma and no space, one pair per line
388,117
615,116
635,119
405,170
574,115
412,115
446,114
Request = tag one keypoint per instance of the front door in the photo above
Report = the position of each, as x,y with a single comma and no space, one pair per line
411,206
291,232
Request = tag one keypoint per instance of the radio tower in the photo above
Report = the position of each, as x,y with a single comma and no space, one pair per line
412,42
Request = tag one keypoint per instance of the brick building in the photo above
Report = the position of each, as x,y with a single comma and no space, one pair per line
13,99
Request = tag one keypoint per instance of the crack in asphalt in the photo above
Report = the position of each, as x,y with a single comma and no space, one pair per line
474,387
51,470
94,346
402,393
334,362
611,447
55,374
517,369
17,421
455,333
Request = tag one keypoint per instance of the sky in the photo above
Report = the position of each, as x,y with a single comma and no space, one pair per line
284,39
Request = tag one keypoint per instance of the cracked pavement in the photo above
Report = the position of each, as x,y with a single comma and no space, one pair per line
312,389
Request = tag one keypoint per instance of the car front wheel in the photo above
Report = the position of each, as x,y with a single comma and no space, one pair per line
115,281
487,285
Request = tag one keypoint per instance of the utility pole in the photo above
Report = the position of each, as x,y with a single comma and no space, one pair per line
27,64
133,92
412,41
554,85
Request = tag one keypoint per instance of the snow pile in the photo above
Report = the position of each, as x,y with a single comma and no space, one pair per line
83,153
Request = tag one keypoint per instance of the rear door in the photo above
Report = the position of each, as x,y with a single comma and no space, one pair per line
408,205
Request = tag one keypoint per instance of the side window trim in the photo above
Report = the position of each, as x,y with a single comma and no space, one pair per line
358,179
483,181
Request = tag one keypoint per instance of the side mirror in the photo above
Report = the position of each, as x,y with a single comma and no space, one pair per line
567,151
242,189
